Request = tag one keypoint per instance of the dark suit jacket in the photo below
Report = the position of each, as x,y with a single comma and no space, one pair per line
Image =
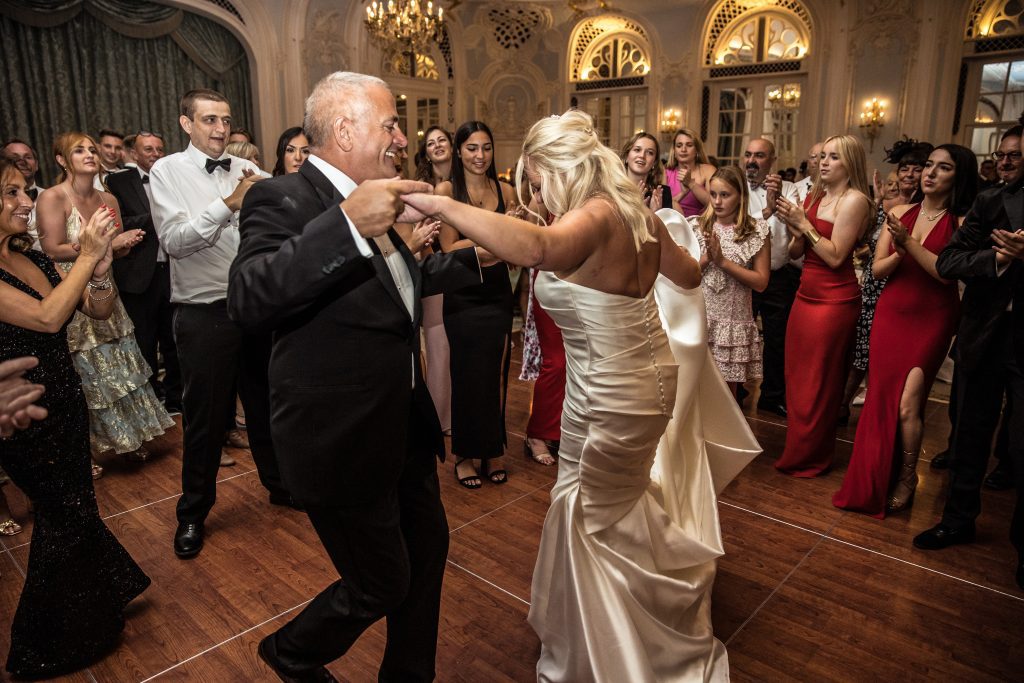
134,271
969,257
344,413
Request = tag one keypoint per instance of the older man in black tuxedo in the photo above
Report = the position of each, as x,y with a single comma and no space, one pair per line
353,424
986,253
143,276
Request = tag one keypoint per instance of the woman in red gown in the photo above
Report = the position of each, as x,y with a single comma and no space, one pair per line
543,361
915,320
822,323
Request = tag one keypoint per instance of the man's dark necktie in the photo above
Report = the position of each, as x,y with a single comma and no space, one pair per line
33,193
212,164
145,178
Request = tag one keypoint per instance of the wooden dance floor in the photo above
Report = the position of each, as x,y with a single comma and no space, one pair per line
805,591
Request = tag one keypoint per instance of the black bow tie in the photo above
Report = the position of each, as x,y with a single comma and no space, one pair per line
212,164
32,192
145,178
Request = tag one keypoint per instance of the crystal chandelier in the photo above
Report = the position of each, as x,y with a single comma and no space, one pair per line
404,25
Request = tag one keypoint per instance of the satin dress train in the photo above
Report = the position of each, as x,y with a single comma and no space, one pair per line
621,589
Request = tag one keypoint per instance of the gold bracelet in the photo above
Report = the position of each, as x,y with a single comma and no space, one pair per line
813,236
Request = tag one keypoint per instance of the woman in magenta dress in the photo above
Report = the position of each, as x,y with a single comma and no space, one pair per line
688,172
820,333
914,323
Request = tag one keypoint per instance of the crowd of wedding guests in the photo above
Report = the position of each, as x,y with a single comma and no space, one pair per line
813,286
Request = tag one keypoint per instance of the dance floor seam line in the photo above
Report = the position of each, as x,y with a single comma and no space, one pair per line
146,505
927,569
225,641
500,507
17,565
489,583
757,610
828,536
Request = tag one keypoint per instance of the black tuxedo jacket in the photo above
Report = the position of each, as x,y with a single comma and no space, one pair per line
134,271
969,257
347,401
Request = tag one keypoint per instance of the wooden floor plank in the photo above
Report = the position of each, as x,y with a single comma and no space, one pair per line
804,592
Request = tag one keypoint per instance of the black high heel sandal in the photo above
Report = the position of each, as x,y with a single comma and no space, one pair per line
467,481
499,476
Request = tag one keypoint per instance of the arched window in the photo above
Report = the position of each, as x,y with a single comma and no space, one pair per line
609,62
766,37
754,56
991,92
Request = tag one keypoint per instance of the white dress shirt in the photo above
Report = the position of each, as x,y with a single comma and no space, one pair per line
779,233
33,229
196,228
161,255
803,188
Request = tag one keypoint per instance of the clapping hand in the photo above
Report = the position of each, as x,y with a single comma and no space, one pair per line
95,238
18,396
126,240
897,231
248,178
792,214
876,182
683,176
1008,245
424,234
773,187
715,250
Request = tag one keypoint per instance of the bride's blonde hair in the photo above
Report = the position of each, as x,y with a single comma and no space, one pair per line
574,167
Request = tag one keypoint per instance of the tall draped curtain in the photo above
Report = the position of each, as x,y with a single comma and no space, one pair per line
119,64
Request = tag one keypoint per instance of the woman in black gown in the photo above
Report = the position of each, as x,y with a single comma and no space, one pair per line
79,577
478,319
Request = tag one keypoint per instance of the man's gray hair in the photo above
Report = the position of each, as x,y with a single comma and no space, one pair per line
339,94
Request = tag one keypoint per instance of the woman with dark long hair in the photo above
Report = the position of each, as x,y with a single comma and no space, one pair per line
915,320
79,579
434,158
292,151
478,319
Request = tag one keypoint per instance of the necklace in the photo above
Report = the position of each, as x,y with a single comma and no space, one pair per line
827,204
473,200
933,217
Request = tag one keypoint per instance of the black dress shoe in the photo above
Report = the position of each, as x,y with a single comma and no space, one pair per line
317,675
281,498
941,536
188,539
772,407
941,461
999,479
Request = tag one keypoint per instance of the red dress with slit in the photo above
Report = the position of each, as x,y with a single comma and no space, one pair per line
819,340
914,323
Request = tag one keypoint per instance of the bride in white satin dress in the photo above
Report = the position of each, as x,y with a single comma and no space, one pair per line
621,589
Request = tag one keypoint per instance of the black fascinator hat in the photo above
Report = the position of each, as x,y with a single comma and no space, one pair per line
908,151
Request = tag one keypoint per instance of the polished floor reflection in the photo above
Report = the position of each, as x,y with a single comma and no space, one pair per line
805,592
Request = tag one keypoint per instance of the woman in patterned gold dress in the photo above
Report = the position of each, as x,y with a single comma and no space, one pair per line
123,410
